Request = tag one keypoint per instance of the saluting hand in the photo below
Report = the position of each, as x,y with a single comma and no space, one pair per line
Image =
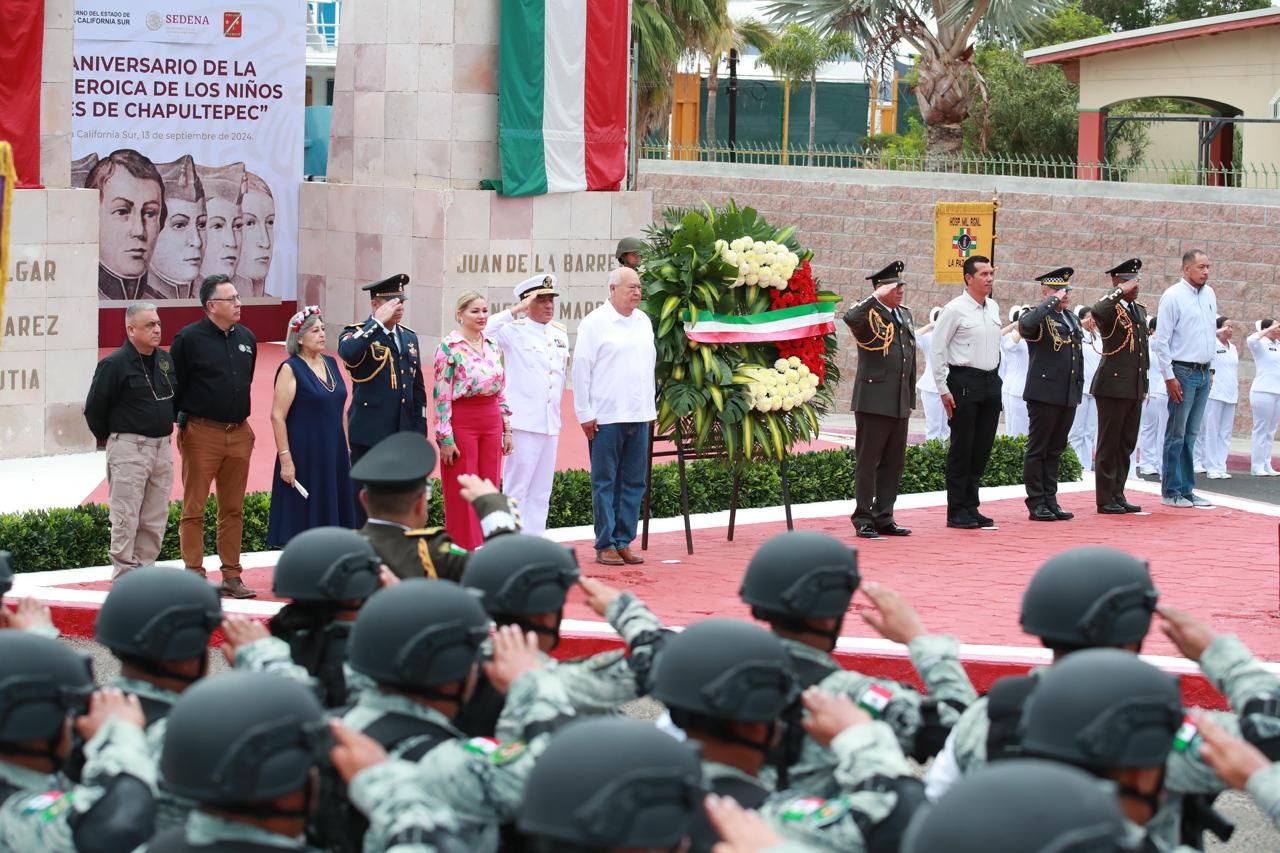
1190,634
894,618
830,715
472,487
238,633
107,703
384,312
1130,290
740,830
353,751
599,595
882,292
1233,759
514,654
28,615
522,307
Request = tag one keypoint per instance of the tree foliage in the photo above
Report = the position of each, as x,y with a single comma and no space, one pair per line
795,57
1133,14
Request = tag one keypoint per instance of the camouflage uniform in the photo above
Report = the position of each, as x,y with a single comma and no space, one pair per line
482,779
1226,662
1264,787
936,659
836,823
170,810
38,815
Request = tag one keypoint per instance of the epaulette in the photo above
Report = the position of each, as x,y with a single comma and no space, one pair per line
424,531
353,326
559,325
406,328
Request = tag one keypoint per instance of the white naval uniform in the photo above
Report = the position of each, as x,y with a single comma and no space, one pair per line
1016,362
1084,429
935,414
536,356
1264,399
1155,418
1214,440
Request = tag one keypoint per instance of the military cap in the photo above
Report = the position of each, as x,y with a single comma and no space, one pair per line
891,274
1015,312
1060,277
180,180
6,573
934,313
388,288
628,244
399,463
224,182
1024,806
1128,269
1083,311
537,285
80,170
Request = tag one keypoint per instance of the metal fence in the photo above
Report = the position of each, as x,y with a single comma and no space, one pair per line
1252,176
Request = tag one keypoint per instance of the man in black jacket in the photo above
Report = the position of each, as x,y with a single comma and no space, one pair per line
130,411
1055,385
884,393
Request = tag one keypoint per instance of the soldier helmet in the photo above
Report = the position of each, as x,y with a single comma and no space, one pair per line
327,564
1102,709
727,670
608,783
241,737
41,681
628,244
1089,597
155,614
6,574
417,634
518,574
1023,806
801,575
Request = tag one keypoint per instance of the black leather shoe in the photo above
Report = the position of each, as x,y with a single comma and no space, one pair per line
894,530
866,531
1061,514
963,523
1128,507
1042,513
1112,509
984,520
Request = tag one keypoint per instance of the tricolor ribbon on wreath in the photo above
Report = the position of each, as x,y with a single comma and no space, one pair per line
784,324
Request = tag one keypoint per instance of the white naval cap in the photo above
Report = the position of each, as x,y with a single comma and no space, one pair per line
538,284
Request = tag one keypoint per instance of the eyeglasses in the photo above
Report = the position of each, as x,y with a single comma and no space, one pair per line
224,298
164,373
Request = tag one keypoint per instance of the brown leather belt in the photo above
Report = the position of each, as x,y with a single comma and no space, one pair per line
210,422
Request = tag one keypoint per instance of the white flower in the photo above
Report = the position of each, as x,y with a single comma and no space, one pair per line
794,361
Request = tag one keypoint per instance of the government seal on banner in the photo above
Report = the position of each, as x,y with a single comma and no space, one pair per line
960,231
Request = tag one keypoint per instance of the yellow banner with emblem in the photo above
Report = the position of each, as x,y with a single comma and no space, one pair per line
8,178
961,230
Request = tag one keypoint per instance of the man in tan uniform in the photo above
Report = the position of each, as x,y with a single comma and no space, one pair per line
396,496
130,411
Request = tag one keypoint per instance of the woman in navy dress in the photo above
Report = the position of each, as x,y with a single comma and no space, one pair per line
311,445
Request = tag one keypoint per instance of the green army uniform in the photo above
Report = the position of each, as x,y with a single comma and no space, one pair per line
936,659
1226,662
38,808
481,779
1264,787
429,551
170,810
867,755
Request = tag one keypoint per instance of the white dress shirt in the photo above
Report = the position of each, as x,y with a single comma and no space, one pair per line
926,382
1226,374
1092,353
1188,327
613,365
1266,359
536,356
967,335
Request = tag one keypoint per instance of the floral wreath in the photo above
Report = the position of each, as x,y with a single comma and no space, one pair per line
296,321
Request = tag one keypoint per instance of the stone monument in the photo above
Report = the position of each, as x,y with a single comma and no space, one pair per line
414,132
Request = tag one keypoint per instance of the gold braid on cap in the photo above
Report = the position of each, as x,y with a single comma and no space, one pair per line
881,334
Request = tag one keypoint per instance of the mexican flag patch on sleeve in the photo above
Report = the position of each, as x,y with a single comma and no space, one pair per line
482,745
1185,735
875,699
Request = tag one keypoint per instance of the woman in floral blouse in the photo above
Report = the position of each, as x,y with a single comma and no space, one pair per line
473,425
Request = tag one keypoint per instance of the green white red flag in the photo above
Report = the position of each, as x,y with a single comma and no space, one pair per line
784,324
562,103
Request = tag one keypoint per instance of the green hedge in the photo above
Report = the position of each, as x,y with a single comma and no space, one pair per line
44,540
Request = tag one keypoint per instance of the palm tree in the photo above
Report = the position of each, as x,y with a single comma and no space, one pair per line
663,31
730,35
940,32
795,56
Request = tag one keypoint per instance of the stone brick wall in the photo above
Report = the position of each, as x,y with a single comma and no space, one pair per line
856,221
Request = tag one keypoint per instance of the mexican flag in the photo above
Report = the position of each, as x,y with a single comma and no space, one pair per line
562,95
783,324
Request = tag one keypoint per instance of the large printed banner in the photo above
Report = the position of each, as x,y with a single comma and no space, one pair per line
189,123
960,231
21,58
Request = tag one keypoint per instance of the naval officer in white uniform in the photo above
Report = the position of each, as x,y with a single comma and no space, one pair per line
536,350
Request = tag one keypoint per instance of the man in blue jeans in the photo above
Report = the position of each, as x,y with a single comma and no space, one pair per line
1184,348
614,398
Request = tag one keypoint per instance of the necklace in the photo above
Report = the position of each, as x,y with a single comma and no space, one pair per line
478,345
327,380
146,374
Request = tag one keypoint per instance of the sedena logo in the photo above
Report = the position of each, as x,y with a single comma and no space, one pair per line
232,25
154,21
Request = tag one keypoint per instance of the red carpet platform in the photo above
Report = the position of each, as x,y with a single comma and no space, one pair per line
1220,564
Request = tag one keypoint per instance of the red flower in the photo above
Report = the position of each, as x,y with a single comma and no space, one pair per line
802,289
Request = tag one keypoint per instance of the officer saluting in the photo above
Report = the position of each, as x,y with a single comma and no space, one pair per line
396,497
884,393
1055,386
536,350
383,359
1120,384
